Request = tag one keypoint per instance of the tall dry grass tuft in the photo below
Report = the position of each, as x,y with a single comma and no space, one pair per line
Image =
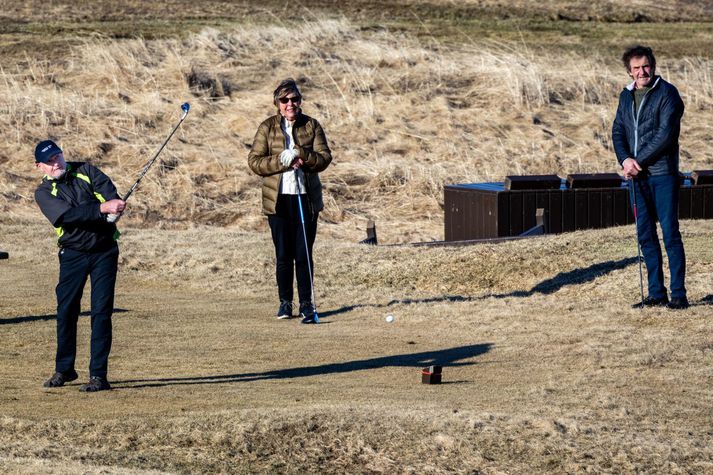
404,116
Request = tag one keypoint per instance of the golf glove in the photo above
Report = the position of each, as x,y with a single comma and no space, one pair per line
287,157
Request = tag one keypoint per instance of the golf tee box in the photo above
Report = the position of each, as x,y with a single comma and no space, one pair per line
431,375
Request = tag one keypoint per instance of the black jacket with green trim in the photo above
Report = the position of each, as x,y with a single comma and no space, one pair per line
72,203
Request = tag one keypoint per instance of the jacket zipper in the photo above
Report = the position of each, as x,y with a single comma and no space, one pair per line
636,117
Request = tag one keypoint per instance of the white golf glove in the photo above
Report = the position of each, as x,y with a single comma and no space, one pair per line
112,218
288,156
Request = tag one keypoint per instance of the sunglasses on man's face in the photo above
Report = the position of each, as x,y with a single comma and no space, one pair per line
294,100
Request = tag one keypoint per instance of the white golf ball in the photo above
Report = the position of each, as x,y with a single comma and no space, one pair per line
389,318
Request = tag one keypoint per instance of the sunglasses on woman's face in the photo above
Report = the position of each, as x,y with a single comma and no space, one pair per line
294,100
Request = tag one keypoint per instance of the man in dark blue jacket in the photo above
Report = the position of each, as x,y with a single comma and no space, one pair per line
645,135
77,198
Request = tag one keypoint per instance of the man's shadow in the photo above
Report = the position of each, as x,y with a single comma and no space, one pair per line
449,357
35,318
548,286
573,277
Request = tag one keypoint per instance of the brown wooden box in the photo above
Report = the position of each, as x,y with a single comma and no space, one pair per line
488,210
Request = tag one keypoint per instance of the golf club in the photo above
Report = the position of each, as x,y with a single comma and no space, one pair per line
638,243
304,235
185,107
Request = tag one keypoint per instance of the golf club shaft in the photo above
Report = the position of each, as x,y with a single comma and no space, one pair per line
638,242
185,108
304,235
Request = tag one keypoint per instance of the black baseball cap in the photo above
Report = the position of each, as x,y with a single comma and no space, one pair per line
46,150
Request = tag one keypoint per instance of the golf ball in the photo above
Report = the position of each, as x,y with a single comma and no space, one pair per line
389,318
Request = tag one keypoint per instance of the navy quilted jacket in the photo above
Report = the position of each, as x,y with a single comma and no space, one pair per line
649,135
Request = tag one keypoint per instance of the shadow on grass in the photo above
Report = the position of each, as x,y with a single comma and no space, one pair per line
35,318
449,357
573,277
549,286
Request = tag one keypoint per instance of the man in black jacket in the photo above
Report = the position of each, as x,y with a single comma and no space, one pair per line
645,136
77,198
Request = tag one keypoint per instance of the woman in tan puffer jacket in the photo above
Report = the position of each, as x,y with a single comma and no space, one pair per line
289,151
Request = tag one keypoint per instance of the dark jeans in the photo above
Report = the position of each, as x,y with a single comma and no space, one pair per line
74,268
290,253
657,198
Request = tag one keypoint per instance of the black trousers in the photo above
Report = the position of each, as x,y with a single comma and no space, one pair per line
290,253
74,268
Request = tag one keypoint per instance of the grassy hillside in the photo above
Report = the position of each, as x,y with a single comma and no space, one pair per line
405,110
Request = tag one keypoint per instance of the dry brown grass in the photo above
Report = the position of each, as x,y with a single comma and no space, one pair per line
547,369
403,117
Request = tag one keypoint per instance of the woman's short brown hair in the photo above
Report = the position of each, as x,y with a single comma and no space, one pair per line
285,87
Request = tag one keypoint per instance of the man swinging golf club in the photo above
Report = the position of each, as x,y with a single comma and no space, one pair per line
77,198
645,136
289,151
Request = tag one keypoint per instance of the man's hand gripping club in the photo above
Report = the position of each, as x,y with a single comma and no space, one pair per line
113,209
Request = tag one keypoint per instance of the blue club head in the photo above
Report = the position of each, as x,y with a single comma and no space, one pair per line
185,107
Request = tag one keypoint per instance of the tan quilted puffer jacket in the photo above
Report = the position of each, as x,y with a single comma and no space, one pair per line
264,158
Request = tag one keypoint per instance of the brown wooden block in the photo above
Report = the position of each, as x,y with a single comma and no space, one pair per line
431,375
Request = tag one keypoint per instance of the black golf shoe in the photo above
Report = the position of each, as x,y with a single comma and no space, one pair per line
652,302
307,312
58,379
678,303
285,310
96,383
